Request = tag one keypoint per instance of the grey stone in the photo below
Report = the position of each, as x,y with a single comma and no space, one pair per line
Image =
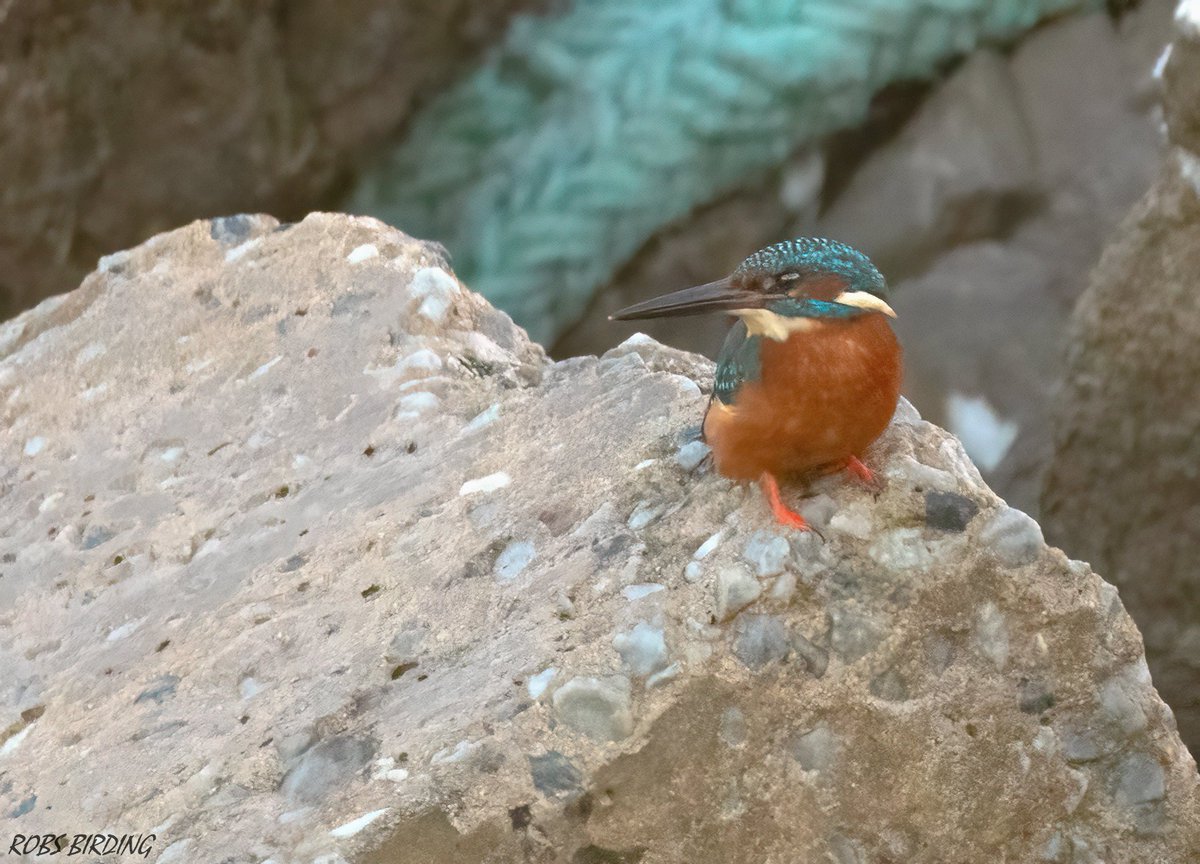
554,775
814,657
325,766
1014,536
767,553
815,749
890,685
853,633
643,649
948,511
1139,779
760,639
736,589
598,708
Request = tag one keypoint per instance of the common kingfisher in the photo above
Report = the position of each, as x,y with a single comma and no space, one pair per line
809,374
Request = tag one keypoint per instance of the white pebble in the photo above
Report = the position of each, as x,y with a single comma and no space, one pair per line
691,454
483,419
514,559
50,502
538,683
362,253
644,464
238,251
438,288
637,592
90,352
352,828
34,446
708,546
415,404
490,483
124,631
264,368
171,454
693,571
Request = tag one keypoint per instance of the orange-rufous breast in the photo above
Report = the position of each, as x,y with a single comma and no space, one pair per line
824,394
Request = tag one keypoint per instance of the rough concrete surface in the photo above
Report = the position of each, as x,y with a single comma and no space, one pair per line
308,555
1123,489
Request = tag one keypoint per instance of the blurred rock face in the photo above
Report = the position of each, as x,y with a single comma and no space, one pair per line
1124,487
124,119
986,212
309,555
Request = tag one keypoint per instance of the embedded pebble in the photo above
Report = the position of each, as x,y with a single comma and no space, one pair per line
761,639
421,360
900,549
264,368
515,558
362,253
643,649
814,657
554,775
691,454
767,553
249,688
490,483
816,749
437,288
51,502
1120,705
736,589
413,405
693,571
991,634
664,676
538,683
853,634
598,708
351,828
483,419
325,765
1013,537
35,445
889,685
784,588
644,513
708,546
817,511
1139,779
732,730
949,511
853,520
637,592
405,646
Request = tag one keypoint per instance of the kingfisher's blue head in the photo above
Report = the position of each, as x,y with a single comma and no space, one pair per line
787,287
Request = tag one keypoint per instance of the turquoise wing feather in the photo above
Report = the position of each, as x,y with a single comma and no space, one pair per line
739,361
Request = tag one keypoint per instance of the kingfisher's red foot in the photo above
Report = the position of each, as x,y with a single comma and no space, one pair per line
865,474
784,514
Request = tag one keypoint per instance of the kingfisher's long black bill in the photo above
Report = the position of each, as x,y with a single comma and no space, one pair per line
719,296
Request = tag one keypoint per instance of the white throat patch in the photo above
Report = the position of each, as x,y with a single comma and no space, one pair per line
764,322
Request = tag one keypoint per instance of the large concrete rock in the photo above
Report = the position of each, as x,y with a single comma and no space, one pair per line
308,555
1123,489
123,119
